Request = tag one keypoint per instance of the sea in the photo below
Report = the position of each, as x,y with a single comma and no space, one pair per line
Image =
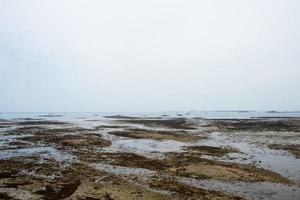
165,114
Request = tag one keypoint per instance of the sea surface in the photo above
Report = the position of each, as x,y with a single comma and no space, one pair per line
167,114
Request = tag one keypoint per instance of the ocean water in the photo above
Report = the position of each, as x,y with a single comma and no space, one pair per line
167,114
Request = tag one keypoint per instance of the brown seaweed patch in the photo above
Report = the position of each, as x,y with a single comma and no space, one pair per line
158,135
80,141
40,122
126,160
176,123
42,130
13,168
189,165
68,181
120,117
210,150
15,184
50,193
10,167
92,198
5,196
115,188
277,124
61,137
8,174
182,191
109,126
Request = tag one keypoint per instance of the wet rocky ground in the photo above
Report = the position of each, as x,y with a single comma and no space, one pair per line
122,157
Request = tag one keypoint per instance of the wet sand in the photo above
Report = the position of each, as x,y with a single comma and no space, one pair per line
122,157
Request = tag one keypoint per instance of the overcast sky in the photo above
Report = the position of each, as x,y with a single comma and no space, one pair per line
149,55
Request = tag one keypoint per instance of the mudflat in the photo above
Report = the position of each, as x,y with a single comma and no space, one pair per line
122,157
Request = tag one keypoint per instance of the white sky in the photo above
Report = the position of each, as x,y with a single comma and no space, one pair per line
153,55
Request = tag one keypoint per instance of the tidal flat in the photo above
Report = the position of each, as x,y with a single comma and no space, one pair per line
118,157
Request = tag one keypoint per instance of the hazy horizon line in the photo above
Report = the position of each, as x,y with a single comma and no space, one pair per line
225,110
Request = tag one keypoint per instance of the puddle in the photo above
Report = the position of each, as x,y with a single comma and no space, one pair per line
5,140
45,152
147,147
121,170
